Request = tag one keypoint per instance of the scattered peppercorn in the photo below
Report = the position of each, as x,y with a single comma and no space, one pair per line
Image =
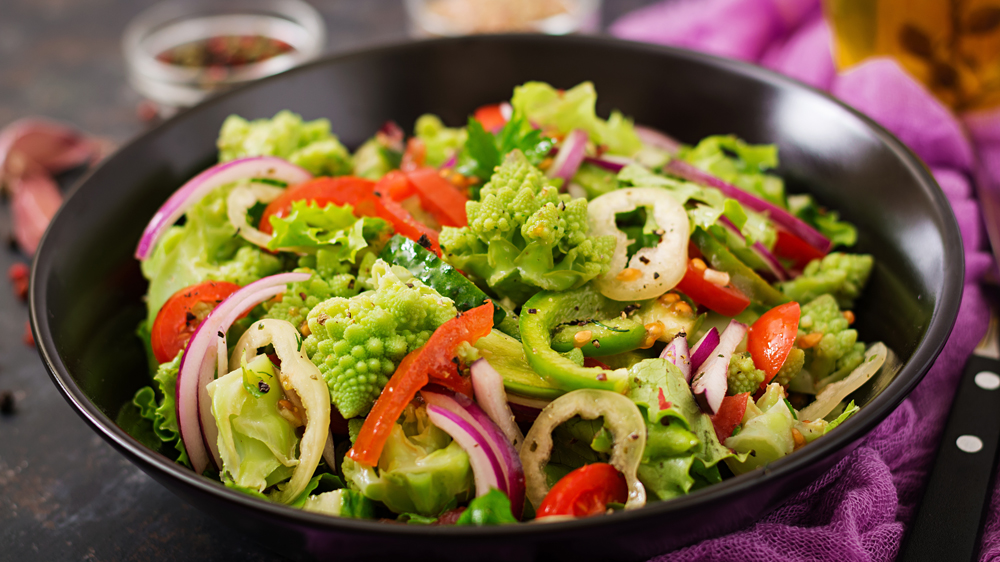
6,402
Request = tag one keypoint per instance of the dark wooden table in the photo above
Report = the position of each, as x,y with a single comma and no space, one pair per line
64,493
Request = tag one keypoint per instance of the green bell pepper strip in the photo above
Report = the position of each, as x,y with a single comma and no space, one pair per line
436,274
741,276
546,311
613,336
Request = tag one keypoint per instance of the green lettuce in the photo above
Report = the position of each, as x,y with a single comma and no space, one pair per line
309,227
766,433
160,407
257,445
575,109
743,165
484,151
421,470
308,144
682,451
206,246
493,508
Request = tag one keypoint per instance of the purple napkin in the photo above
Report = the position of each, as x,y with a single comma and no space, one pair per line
860,509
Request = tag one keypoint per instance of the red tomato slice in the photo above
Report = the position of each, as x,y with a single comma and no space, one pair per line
343,190
728,300
180,316
433,361
439,197
491,117
730,415
792,247
586,491
772,336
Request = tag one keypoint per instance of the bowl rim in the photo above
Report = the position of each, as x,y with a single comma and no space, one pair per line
912,372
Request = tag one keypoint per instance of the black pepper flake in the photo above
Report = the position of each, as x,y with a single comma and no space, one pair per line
409,284
532,311
424,241
455,361
302,296
644,260
656,275
631,308
189,317
263,387
350,284
221,335
601,376
597,344
6,402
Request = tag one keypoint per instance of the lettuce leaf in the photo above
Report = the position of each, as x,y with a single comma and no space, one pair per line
493,508
159,407
484,151
308,144
309,227
549,108
841,233
743,165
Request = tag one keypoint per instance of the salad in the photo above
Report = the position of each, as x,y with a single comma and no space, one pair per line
540,315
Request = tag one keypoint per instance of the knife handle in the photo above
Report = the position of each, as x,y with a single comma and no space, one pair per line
948,523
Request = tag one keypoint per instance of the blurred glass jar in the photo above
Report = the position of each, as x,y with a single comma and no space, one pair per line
466,17
181,51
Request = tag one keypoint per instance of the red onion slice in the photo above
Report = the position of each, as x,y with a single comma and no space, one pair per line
778,215
485,466
492,398
610,162
194,190
709,383
200,363
657,139
570,156
503,450
773,264
677,353
703,348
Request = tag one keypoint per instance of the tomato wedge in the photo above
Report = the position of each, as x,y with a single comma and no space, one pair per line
791,247
491,117
439,197
727,300
772,336
584,492
434,362
180,316
730,415
366,198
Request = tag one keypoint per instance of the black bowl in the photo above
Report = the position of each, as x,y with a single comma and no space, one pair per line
86,290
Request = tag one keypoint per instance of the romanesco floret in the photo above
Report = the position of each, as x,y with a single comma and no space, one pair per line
301,297
839,274
838,352
793,364
743,375
357,343
309,144
248,265
523,236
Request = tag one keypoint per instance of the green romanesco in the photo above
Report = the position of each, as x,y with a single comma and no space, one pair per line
308,144
248,265
302,297
838,352
442,142
793,364
524,236
357,342
839,274
743,375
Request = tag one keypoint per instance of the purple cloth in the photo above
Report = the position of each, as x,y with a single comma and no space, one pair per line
860,509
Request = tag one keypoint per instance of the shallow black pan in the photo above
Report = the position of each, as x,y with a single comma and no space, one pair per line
86,290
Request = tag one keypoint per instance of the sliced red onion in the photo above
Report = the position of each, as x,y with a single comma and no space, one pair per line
709,383
610,162
677,353
780,216
570,156
657,139
485,466
217,176
773,264
703,348
200,363
240,200
492,398
450,162
524,414
502,449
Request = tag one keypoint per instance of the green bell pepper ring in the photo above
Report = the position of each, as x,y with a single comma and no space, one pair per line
741,276
606,337
546,311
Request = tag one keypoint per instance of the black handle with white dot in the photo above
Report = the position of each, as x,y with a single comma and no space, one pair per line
948,524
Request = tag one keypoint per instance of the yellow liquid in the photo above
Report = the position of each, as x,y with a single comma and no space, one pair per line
952,46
